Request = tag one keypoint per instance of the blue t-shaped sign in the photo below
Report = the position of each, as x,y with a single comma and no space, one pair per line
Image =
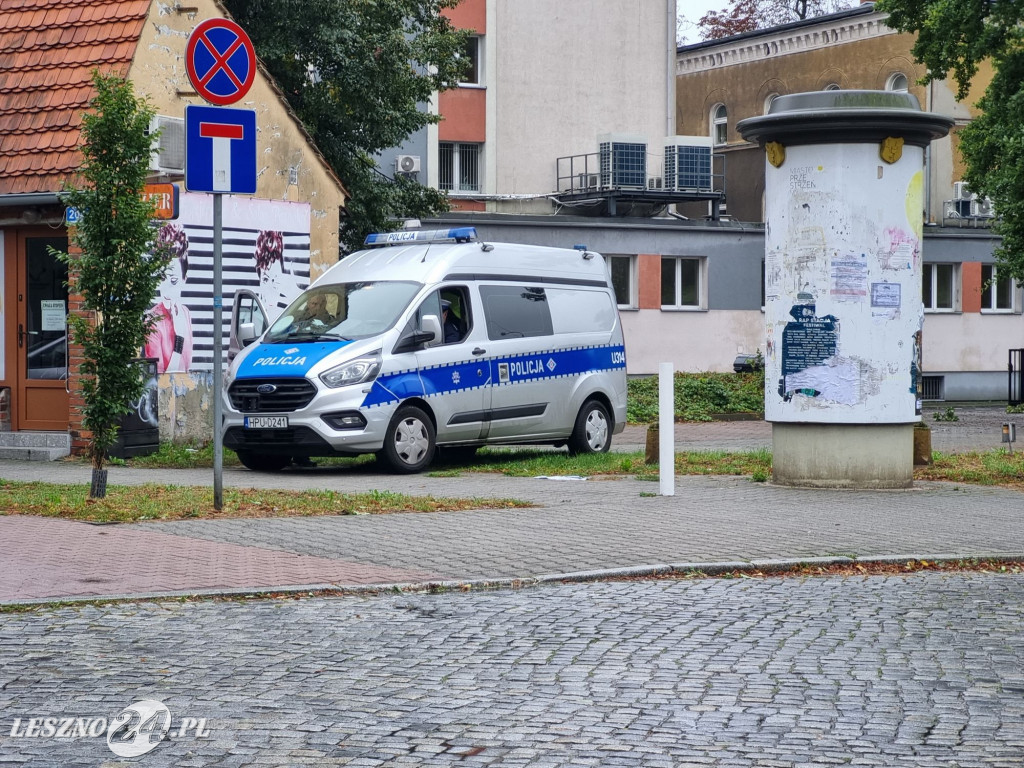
220,150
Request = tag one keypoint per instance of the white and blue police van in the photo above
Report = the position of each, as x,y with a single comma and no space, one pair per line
426,340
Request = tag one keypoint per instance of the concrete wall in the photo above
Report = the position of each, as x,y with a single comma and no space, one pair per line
566,72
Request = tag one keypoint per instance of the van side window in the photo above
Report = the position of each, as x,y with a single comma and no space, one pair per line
452,300
515,311
457,322
578,310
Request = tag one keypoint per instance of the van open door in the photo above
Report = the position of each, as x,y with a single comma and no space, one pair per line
248,321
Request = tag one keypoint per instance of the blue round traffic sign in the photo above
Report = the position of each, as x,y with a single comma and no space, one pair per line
220,61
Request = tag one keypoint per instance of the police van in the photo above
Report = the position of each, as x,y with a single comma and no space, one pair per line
426,340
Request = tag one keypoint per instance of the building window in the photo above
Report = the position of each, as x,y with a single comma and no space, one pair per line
471,75
720,124
833,87
621,270
897,82
940,289
458,167
681,283
996,292
769,101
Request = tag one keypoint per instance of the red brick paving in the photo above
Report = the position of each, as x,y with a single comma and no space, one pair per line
47,558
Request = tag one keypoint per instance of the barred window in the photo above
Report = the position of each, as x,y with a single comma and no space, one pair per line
459,167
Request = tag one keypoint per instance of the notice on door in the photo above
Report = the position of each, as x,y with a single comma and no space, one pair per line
53,315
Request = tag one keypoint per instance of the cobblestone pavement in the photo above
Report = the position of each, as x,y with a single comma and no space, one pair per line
922,670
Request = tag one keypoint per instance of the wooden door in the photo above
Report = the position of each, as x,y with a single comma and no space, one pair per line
40,334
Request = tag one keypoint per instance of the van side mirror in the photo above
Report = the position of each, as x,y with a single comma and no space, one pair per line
432,325
429,334
246,333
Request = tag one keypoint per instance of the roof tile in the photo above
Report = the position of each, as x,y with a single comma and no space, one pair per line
48,49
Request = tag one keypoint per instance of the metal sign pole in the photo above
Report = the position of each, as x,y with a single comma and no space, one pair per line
218,356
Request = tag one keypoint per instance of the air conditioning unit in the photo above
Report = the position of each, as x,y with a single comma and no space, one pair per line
407,163
655,182
169,148
961,191
585,181
688,163
623,161
982,207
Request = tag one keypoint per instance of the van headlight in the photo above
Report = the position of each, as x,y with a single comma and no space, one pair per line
357,371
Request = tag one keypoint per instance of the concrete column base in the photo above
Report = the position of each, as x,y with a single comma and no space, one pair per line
843,455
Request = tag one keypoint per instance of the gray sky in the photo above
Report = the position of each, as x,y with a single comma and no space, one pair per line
692,10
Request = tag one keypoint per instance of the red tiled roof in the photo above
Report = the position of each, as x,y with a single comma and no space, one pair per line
48,49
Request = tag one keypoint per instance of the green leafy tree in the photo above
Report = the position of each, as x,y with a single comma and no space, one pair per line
116,273
956,36
358,75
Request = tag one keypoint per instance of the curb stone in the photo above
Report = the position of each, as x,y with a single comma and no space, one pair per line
328,590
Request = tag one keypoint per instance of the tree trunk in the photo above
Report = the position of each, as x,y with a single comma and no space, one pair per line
98,488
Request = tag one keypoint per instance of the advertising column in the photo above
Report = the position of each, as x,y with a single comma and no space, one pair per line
844,202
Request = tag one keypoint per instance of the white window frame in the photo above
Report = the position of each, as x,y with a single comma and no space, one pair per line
701,283
477,41
894,78
833,87
456,189
1014,307
955,288
768,101
632,304
719,122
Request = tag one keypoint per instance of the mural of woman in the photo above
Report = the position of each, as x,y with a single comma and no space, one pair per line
278,288
171,340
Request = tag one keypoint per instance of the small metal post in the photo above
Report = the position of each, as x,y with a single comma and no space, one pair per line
218,354
666,429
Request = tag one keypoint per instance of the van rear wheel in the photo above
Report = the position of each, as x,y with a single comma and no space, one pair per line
410,441
263,462
593,430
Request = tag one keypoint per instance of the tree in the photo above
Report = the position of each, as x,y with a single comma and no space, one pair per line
358,75
118,270
956,37
749,15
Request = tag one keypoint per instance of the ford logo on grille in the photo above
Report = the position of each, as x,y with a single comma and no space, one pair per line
266,389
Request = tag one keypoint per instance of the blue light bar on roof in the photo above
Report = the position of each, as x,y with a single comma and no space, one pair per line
454,235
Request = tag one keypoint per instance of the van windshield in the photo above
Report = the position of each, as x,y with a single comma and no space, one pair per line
343,312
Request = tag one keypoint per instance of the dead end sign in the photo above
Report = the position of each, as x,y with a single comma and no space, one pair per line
220,61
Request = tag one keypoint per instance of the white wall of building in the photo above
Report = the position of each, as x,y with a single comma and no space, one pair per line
567,71
692,341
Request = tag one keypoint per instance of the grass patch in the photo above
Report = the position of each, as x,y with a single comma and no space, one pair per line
989,468
531,462
129,504
196,456
697,396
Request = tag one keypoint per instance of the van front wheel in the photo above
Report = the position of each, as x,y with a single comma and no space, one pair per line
410,441
593,430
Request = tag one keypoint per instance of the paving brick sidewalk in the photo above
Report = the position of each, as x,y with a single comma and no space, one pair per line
577,526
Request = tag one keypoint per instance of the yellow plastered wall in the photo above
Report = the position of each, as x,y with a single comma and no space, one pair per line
285,154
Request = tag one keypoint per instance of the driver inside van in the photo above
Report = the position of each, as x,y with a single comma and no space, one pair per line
316,310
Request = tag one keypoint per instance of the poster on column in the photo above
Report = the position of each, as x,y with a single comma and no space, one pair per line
843,285
265,249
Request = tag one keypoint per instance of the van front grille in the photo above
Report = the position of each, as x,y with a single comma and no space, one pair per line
287,395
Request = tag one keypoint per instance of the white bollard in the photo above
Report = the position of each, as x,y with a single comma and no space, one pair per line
666,429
